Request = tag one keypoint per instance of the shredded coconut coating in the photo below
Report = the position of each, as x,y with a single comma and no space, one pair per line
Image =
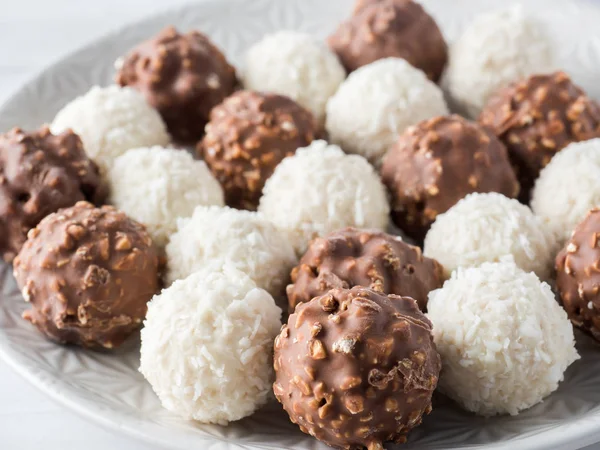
568,188
488,227
377,103
296,65
111,120
496,49
207,346
321,189
242,239
156,186
504,340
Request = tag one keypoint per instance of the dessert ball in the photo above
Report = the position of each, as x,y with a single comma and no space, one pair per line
248,135
39,174
207,345
183,76
354,257
321,189
577,275
391,28
377,103
87,273
488,227
110,121
568,188
156,186
242,239
536,118
504,340
296,65
496,49
436,163
356,368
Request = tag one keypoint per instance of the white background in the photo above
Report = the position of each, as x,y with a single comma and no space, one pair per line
34,33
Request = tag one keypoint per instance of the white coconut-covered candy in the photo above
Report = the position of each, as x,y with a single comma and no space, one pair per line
296,65
504,340
242,239
111,120
487,227
156,186
496,49
322,189
207,345
568,187
377,103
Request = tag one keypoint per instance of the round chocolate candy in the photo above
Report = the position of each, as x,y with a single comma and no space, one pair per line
374,259
391,28
40,173
183,76
248,136
537,117
87,273
356,368
438,162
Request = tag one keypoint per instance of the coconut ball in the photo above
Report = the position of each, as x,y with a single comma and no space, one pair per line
321,189
207,345
156,186
504,340
568,188
496,49
111,120
488,227
377,103
296,65
242,239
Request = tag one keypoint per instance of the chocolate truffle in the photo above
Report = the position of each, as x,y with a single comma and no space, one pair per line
356,368
183,76
247,136
353,257
436,163
391,28
578,277
536,118
40,173
87,273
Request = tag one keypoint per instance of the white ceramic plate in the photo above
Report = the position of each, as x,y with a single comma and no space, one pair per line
107,387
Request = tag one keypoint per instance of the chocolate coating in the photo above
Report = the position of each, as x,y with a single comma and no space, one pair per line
537,117
183,76
356,368
369,258
87,273
247,136
40,173
438,162
578,275
391,28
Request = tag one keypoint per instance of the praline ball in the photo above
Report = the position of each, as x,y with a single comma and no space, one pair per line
356,368
183,76
87,274
391,28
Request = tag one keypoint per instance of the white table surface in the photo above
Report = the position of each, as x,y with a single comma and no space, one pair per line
33,33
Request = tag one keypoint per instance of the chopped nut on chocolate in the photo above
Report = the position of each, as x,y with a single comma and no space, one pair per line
438,162
40,173
367,379
391,28
370,258
536,118
578,275
183,76
84,286
247,136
